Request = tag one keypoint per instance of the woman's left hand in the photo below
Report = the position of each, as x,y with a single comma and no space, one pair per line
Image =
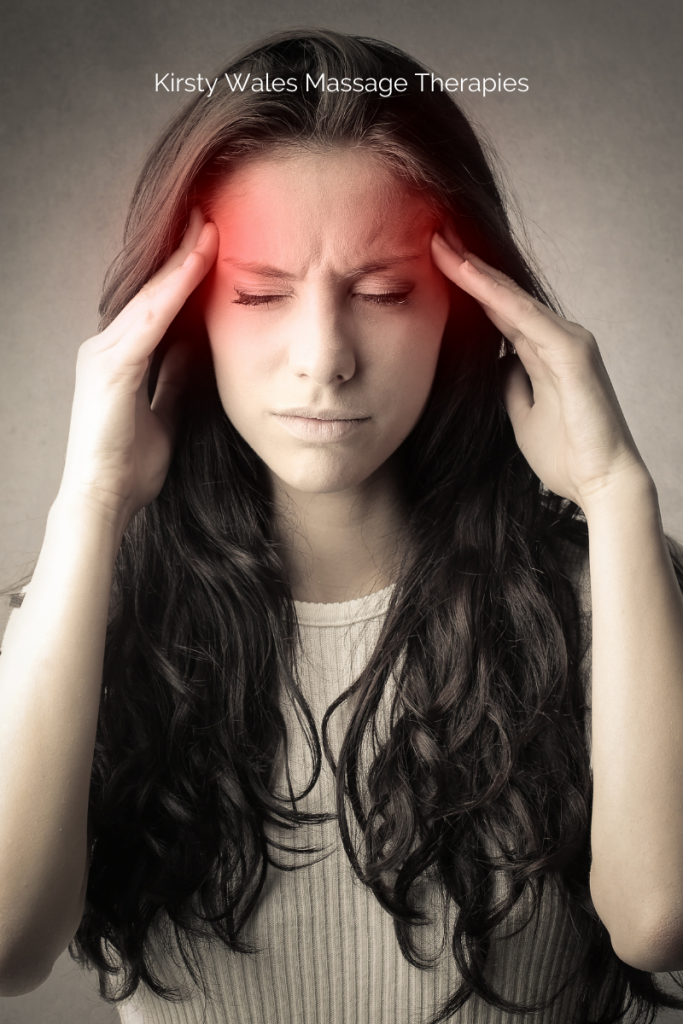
564,411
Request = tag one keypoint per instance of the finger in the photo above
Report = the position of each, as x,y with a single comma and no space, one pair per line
446,256
518,393
143,322
190,238
451,236
459,268
193,230
141,395
451,256
518,315
172,383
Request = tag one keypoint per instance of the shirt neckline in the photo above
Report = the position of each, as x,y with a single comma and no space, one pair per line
344,613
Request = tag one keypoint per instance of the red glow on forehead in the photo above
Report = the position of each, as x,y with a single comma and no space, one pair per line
342,209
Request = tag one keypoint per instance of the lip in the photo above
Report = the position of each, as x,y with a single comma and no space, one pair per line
303,412
321,425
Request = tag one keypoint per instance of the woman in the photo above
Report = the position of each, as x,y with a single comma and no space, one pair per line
340,761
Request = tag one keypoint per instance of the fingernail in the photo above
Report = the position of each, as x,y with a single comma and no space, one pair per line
471,267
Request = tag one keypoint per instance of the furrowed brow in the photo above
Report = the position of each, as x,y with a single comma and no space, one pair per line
385,263
262,269
372,267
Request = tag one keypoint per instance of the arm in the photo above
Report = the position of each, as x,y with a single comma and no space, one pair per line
637,721
50,673
51,666
570,428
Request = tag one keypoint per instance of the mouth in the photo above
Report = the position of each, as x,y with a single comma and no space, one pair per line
305,413
320,424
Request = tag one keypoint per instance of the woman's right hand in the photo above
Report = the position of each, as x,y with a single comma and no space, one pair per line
120,446
51,667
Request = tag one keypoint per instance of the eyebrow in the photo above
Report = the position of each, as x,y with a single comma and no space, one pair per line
266,270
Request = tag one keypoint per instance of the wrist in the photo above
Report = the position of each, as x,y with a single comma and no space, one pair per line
629,489
82,514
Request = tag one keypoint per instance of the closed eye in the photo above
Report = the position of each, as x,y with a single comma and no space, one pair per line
249,299
376,298
385,298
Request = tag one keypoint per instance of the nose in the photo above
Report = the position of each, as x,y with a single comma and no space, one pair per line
321,346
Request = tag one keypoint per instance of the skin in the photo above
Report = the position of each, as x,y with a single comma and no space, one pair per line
325,302
569,425
321,345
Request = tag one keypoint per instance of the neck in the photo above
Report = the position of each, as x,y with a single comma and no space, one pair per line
342,545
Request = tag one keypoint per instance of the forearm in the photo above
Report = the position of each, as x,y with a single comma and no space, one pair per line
50,680
637,726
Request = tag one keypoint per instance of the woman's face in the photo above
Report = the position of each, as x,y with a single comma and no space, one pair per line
324,313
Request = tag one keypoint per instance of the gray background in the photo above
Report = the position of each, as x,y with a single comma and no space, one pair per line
593,150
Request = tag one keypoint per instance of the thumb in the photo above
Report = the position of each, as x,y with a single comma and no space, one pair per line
518,393
170,391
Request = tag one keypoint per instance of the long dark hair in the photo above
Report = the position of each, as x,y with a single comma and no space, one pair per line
484,772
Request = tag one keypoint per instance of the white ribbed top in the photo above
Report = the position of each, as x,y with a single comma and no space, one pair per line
328,951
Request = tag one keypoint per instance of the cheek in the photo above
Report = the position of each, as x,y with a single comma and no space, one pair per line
239,375
407,384
234,349
417,355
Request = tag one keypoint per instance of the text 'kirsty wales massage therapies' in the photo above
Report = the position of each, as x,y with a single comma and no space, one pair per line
384,87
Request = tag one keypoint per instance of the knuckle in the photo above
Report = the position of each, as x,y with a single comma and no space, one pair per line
149,314
87,350
528,310
144,298
531,308
144,305
584,341
586,337
89,345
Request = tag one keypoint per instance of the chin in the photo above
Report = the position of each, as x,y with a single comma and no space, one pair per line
321,475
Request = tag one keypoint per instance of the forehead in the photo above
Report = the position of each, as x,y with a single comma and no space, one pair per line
335,208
